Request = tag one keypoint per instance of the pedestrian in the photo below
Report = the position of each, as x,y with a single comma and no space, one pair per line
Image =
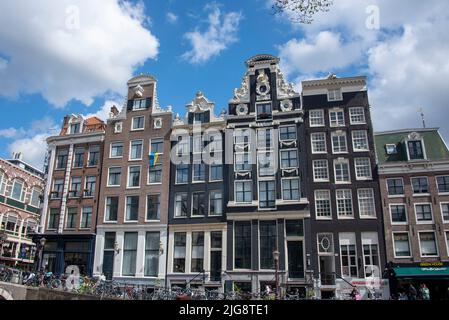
425,293
354,294
412,293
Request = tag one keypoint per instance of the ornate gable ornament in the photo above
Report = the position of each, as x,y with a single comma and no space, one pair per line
414,136
241,95
178,121
200,104
284,89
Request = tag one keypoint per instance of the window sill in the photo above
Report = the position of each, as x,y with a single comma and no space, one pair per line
113,186
92,166
131,221
140,129
154,183
399,223
197,216
132,188
397,196
182,217
368,217
346,218
365,150
110,222
421,195
407,257
424,222
358,124
118,157
134,160
424,257
364,179
443,193
152,221
321,181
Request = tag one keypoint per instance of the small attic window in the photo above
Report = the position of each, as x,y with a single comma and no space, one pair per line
391,149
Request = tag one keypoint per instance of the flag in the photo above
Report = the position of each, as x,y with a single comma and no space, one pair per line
154,157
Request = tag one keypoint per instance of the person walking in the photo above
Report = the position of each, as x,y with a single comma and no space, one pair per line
425,293
412,293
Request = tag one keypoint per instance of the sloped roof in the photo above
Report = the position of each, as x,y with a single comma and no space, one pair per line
93,121
434,144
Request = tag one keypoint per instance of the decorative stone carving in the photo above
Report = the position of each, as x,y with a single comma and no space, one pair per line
158,123
200,104
178,121
414,136
286,105
241,109
284,89
263,86
138,91
118,127
242,94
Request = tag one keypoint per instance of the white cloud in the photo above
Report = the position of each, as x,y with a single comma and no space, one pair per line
220,34
326,52
31,141
171,17
72,49
405,60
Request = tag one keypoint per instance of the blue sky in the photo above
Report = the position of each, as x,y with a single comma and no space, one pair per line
75,57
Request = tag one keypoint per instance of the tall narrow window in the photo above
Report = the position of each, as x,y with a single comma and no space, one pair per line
157,146
341,168
318,141
78,159
89,190
181,205
445,211
216,203
152,243
111,209
154,207
132,208
216,172
401,245
415,150
58,186
138,123
86,217
443,184
115,175
242,244
363,168
267,194
35,199
266,163
155,174
133,177
61,159
370,258
72,212
94,156
348,260
199,172
182,173
109,254
367,208
17,190
268,243
136,150
129,254
428,244
323,203
179,254
344,203
215,255
75,187
197,252
264,139
339,143
53,219
242,161
320,171
316,118
199,204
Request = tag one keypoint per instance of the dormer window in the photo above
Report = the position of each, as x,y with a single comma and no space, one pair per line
415,150
75,128
334,95
264,111
199,117
139,104
391,149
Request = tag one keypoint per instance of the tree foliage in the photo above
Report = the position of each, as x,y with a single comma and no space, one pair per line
301,11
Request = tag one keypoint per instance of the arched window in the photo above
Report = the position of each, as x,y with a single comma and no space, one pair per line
35,199
18,190
3,180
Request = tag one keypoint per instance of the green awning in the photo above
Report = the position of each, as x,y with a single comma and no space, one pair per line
422,272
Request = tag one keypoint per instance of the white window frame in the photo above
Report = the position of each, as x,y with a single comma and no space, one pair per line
436,243
191,205
351,110
394,244
105,209
163,144
420,194
91,217
373,202
282,188
344,216
133,121
22,190
337,124
107,182
252,191
286,126
222,203
337,95
315,118
235,161
436,182
327,168
441,209
140,104
431,212
130,150
110,150
424,151
146,207
128,176
339,134
280,158
339,162
322,135
353,141
329,217
395,195
263,153
126,205
174,207
148,175
370,177
391,215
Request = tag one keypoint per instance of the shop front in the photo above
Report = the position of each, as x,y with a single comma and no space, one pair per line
61,252
434,276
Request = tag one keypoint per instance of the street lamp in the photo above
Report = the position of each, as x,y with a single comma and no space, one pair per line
276,255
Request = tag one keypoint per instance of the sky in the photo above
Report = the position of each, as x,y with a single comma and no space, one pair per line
75,56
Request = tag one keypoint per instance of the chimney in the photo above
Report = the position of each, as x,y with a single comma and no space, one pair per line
17,155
